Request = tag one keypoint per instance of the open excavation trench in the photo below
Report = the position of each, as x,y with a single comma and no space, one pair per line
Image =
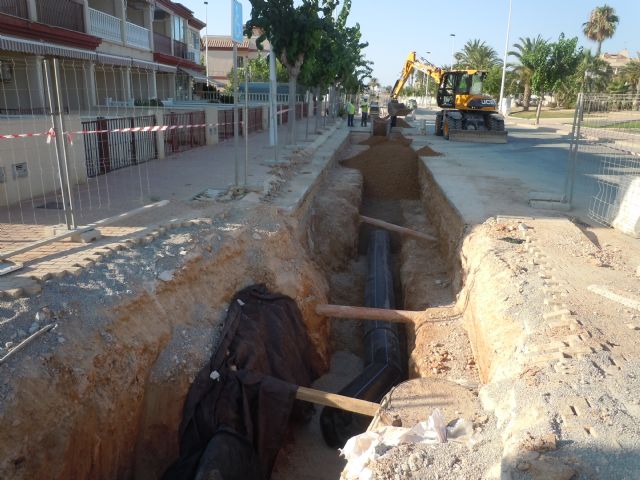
107,402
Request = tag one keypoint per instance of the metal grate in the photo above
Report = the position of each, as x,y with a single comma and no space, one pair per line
180,139
106,151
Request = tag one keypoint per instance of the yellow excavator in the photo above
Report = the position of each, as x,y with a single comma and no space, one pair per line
466,115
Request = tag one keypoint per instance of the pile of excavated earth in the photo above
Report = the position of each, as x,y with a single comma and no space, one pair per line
527,346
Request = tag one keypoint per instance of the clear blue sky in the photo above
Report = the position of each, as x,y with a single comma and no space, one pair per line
394,28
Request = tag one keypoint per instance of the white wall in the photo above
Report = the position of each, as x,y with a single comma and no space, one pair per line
40,158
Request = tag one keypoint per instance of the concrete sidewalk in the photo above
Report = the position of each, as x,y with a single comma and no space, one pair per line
178,178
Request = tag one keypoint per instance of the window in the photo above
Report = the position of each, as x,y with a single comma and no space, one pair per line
195,40
240,62
178,29
476,85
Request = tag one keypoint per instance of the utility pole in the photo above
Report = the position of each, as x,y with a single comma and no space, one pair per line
206,39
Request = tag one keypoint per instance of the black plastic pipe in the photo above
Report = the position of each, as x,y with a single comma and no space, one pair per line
384,355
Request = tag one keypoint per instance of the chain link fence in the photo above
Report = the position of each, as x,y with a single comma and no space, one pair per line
605,149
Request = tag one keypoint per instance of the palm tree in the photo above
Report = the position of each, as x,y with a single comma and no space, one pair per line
374,84
478,55
601,25
524,69
631,73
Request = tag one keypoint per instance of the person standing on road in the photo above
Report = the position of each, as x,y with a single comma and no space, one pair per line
351,111
364,108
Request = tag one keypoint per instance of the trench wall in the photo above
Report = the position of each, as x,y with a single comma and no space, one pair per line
479,279
108,403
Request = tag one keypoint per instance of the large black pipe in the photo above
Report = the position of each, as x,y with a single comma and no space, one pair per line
384,356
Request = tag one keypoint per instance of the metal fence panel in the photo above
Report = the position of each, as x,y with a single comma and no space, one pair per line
607,134
180,139
106,150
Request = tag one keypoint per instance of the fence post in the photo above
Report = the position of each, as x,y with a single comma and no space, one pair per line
578,117
55,108
160,135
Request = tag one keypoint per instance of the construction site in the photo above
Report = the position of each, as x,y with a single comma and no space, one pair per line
204,277
466,331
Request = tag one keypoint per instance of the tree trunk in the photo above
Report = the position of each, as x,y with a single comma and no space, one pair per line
316,95
294,71
598,49
539,109
291,123
527,96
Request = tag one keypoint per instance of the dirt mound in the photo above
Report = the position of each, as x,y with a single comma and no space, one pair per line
390,170
378,140
402,123
427,151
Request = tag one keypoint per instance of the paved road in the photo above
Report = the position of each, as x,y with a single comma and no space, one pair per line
503,176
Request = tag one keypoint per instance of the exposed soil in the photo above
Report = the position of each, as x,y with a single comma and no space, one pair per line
377,140
389,169
402,123
427,151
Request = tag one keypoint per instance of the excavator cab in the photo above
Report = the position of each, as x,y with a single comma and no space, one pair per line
458,87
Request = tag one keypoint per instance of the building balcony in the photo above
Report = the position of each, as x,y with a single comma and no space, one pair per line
105,26
162,44
111,28
138,36
17,8
61,13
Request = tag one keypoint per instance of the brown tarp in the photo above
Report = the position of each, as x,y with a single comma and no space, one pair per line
233,427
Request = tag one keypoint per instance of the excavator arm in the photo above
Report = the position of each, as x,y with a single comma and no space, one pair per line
411,64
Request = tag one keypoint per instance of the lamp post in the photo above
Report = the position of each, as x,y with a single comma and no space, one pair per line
206,40
504,63
453,38
426,89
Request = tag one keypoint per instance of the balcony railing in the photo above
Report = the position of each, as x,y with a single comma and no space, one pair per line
137,36
179,49
61,13
17,8
105,26
161,43
193,55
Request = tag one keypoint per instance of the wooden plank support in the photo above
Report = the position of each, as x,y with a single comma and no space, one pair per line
397,228
349,404
384,314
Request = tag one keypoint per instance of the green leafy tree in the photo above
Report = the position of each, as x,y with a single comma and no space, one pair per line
601,25
340,63
294,32
631,74
478,55
524,52
258,71
592,75
552,64
493,80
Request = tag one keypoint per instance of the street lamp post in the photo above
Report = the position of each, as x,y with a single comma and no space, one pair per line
504,63
206,40
426,91
453,38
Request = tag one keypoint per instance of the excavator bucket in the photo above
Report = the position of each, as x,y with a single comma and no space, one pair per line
397,109
477,136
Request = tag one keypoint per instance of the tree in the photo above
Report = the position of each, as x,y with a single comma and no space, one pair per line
631,74
552,63
293,32
593,74
478,55
493,81
601,25
525,52
258,70
374,84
